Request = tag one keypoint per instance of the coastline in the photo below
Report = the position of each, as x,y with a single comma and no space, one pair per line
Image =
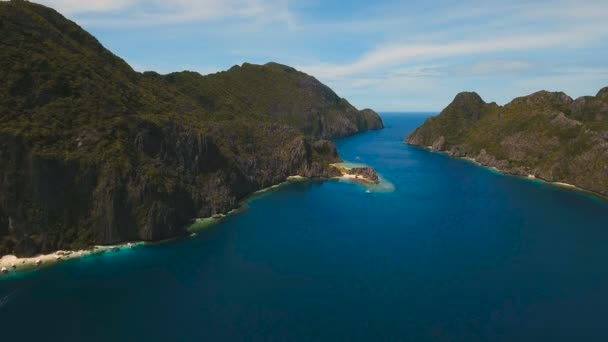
12,265
529,177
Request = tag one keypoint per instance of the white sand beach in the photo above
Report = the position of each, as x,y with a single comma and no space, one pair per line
12,264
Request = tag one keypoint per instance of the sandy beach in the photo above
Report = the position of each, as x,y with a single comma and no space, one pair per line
355,178
13,264
566,185
296,178
10,264
351,177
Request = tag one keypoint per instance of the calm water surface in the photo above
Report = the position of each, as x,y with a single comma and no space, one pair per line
454,252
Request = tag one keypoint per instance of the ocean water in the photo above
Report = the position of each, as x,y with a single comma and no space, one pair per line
444,250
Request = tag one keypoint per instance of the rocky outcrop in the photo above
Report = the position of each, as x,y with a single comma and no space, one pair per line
560,119
546,135
95,153
438,143
367,173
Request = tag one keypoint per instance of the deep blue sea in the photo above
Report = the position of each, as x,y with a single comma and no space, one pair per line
452,252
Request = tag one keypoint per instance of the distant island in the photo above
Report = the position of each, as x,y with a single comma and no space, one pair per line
545,135
93,152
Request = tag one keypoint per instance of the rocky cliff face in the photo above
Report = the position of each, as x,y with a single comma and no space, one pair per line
173,175
547,135
95,153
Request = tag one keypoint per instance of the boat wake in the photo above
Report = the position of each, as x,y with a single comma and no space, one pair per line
5,299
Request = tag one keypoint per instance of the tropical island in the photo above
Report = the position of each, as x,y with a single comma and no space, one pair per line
545,135
95,153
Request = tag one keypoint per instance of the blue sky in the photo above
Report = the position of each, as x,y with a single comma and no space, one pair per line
387,55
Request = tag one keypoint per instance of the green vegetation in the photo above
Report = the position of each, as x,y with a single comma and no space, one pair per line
94,152
545,134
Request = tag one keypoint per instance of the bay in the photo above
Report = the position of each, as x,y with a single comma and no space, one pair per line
441,250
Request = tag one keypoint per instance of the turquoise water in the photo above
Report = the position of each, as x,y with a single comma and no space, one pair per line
451,252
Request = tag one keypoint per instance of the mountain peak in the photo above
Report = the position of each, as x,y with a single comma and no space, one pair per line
280,66
468,97
541,99
553,96
468,102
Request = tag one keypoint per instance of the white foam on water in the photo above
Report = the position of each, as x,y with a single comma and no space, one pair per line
7,298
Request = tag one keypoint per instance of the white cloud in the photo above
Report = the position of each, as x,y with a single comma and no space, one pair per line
397,54
570,10
159,12
389,56
499,66
80,6
576,82
489,49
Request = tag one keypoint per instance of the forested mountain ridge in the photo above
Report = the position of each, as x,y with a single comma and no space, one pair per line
95,153
547,135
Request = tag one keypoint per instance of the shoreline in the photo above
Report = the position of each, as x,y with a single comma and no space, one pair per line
529,177
13,265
